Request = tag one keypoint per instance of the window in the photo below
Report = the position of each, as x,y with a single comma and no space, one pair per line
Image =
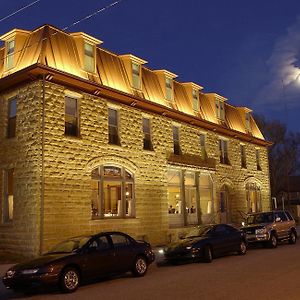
89,57
120,241
147,134
100,243
253,195
71,116
169,89
12,118
247,118
223,145
258,166
195,100
176,141
8,205
206,193
112,192
10,49
113,127
202,146
220,109
243,156
136,76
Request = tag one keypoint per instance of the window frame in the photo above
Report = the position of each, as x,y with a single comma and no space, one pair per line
101,178
202,145
136,75
176,140
195,97
75,117
220,109
89,55
9,59
114,139
147,139
6,219
223,149
11,120
257,159
243,156
169,86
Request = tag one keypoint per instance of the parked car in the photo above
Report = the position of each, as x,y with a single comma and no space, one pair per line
270,228
206,243
81,258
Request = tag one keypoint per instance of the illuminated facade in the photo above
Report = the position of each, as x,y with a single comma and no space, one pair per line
94,141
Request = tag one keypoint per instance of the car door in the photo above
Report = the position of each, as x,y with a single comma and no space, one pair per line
224,240
99,257
281,224
124,252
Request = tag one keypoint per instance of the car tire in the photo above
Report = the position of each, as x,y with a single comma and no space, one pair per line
140,266
69,280
292,238
273,241
242,248
208,255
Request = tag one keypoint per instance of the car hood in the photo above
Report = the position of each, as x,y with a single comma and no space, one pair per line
185,242
41,261
254,226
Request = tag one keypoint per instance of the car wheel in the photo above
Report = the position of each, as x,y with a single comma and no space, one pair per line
208,256
69,280
242,248
140,266
292,238
273,241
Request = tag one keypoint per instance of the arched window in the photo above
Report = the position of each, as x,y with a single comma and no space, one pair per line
253,196
112,192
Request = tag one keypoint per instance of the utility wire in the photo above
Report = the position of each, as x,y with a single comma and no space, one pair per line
71,25
19,10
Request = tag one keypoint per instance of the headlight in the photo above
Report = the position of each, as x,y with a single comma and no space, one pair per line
161,251
188,247
29,271
261,231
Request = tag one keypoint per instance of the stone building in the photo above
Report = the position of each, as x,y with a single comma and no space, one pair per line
92,141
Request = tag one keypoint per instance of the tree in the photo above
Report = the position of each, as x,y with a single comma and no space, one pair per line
283,154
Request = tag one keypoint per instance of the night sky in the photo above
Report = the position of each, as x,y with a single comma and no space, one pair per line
245,50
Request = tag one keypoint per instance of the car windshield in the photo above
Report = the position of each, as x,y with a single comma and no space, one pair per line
260,218
199,231
71,245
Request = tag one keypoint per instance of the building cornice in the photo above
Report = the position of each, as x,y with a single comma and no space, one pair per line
39,71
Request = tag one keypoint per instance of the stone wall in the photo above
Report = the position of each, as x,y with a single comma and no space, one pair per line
68,162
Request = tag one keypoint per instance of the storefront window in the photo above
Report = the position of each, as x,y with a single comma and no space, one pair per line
190,198
205,185
112,192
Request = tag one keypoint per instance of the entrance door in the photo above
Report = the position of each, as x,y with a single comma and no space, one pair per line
191,205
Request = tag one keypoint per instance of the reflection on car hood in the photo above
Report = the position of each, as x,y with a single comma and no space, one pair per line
41,261
185,242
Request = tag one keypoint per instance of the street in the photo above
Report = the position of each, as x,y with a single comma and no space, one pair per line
261,274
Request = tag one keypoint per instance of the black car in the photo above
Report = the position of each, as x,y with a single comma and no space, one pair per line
81,258
206,243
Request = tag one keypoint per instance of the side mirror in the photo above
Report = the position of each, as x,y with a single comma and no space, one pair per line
278,219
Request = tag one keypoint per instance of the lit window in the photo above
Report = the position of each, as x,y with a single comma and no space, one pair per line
12,118
243,156
195,100
223,146
176,140
253,195
169,89
220,109
10,49
147,134
202,145
8,196
89,57
112,192
71,116
136,79
113,127
257,154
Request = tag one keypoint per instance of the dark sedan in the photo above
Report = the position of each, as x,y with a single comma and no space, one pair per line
81,258
206,243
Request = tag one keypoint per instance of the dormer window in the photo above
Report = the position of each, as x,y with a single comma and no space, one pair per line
195,100
247,118
10,49
220,109
89,57
169,89
136,75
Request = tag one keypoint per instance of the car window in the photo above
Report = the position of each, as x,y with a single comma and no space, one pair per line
120,241
289,216
281,215
220,229
101,243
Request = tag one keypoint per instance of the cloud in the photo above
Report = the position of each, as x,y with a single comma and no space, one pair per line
284,70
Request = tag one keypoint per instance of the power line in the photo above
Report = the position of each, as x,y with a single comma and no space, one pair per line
71,25
19,10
